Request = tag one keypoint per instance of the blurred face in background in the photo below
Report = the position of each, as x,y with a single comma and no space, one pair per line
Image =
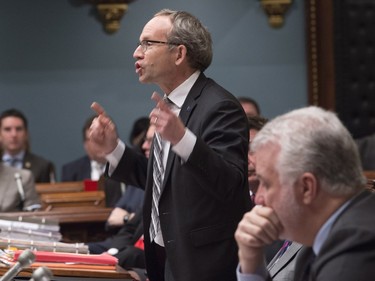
249,109
13,135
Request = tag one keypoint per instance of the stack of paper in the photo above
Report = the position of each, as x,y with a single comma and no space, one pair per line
29,229
7,243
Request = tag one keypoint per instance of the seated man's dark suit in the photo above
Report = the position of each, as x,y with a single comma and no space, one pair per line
123,241
129,256
349,252
42,169
366,146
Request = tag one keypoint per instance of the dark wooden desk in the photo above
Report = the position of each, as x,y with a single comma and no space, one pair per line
77,224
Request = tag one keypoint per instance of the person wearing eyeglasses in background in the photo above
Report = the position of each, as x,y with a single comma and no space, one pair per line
202,130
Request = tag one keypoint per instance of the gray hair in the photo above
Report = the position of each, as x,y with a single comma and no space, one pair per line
314,140
187,30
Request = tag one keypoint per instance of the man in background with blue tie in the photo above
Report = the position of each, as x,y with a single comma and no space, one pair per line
15,147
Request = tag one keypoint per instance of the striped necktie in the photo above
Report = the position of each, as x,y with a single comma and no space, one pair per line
158,171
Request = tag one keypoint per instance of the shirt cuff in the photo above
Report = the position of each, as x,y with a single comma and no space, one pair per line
114,157
259,275
185,146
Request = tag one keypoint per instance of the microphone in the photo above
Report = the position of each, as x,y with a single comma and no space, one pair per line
17,177
26,258
42,274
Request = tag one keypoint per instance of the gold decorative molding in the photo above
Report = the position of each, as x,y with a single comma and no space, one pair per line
275,10
111,15
320,53
108,12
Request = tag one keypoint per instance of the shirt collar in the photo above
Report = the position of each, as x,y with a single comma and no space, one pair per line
97,165
7,157
178,95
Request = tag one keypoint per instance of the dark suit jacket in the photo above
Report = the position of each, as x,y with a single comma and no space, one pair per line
42,169
130,257
77,170
366,146
202,200
129,233
349,252
80,169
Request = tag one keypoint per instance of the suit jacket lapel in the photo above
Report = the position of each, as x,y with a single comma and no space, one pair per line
185,113
26,161
303,258
276,265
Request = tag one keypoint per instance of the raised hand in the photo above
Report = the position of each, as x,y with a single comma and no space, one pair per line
167,123
102,134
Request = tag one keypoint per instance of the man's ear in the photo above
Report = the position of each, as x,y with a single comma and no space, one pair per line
180,54
308,187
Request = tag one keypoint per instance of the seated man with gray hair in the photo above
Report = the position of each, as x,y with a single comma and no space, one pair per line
312,191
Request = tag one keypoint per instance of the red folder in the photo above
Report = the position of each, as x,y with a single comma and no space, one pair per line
40,256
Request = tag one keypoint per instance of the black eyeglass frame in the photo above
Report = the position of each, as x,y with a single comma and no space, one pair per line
146,43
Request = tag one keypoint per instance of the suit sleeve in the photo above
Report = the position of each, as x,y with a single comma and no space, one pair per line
129,233
349,255
131,169
219,158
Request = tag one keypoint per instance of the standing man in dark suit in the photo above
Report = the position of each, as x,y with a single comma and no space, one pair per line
312,191
191,213
15,147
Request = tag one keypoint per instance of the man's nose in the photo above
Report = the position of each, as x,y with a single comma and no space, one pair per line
137,52
259,196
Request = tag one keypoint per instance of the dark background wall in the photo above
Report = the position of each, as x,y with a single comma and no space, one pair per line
55,60
354,26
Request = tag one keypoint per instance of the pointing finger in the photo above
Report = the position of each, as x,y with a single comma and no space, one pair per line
98,108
